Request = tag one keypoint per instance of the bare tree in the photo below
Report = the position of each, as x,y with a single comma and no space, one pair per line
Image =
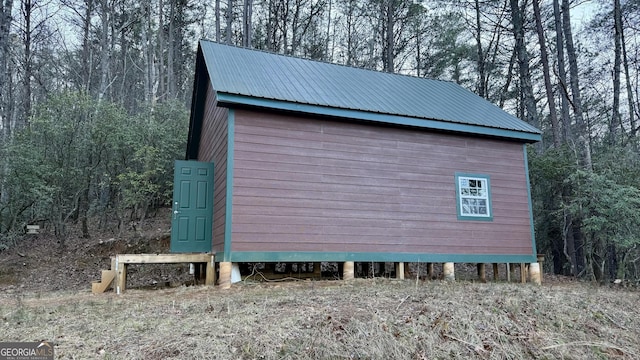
616,119
583,131
229,21
553,115
217,11
6,7
562,74
246,23
523,64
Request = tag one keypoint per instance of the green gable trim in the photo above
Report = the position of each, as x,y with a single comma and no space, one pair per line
526,173
229,194
307,256
489,204
234,99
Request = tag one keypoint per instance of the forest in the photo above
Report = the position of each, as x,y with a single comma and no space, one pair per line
95,98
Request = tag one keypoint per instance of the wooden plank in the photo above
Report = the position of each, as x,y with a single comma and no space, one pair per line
482,273
523,273
210,277
399,270
161,258
121,277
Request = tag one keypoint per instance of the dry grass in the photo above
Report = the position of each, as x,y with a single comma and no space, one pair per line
362,319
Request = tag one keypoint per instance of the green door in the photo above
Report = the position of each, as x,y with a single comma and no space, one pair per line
192,213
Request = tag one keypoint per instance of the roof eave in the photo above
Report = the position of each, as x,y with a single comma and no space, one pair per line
228,99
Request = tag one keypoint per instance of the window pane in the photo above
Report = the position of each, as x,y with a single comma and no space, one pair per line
473,196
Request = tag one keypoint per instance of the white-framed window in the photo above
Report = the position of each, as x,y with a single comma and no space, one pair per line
473,197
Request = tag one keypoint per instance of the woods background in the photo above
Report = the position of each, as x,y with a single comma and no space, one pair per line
95,94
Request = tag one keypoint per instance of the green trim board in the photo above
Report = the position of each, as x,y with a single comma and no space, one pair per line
229,194
526,173
302,256
234,99
487,178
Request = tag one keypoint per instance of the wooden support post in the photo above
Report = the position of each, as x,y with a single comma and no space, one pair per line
210,272
449,271
317,270
225,275
495,272
523,273
535,275
481,273
511,271
348,270
429,271
541,262
121,277
399,270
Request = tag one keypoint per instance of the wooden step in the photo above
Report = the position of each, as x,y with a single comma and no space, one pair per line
101,286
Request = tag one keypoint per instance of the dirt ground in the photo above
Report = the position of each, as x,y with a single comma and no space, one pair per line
45,295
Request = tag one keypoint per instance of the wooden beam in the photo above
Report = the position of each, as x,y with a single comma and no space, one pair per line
481,273
225,275
523,273
119,264
121,277
317,270
535,275
399,270
210,272
449,271
347,272
429,271
495,272
162,258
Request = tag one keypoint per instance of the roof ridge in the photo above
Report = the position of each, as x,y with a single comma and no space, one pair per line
326,62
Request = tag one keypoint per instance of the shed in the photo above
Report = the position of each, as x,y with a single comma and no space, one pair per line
323,162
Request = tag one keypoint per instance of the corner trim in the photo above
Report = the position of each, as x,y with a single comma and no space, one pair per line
229,190
531,222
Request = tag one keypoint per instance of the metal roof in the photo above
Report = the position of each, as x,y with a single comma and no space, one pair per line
262,78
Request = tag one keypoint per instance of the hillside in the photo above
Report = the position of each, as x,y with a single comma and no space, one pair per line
45,295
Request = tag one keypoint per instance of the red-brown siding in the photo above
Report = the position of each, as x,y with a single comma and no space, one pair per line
213,148
319,185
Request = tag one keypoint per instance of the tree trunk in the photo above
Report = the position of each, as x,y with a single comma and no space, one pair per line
562,75
583,135
171,62
5,68
387,10
229,20
161,51
482,85
625,63
526,88
5,88
246,23
146,54
547,77
104,48
86,51
217,10
507,83
27,9
617,55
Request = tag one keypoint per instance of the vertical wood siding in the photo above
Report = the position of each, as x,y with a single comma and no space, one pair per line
213,148
319,185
